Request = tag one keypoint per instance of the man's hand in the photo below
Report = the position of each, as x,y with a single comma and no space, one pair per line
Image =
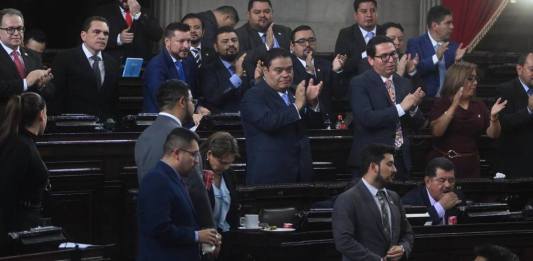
338,62
412,100
239,70
442,48
134,7
460,52
395,253
197,118
39,77
449,200
312,92
208,236
203,111
270,36
401,65
125,36
309,65
419,95
412,63
258,73
299,95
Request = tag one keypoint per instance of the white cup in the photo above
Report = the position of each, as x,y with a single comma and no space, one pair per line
250,221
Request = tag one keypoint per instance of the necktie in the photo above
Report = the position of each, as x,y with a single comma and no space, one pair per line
20,66
232,69
285,97
181,72
96,70
196,53
398,137
442,71
128,18
264,37
369,36
382,198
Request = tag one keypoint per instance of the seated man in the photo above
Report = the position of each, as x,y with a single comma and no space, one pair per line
437,192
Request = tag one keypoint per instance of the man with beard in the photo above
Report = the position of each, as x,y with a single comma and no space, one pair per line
176,105
437,193
222,81
368,220
202,54
435,50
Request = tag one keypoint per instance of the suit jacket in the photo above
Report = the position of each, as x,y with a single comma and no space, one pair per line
277,149
160,69
249,38
376,118
167,220
12,84
352,43
233,214
419,197
146,31
210,28
76,87
219,93
516,141
148,152
357,228
428,71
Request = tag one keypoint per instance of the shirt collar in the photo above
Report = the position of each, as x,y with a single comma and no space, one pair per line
526,88
433,41
373,190
384,79
226,63
88,53
432,201
171,116
303,62
364,32
9,50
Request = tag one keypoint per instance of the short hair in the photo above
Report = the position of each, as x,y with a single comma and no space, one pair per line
388,25
192,16
356,3
300,28
170,92
179,138
495,253
87,22
374,153
225,29
378,39
251,3
522,58
274,53
436,14
456,75
176,26
36,34
10,11
220,143
438,163
229,10
31,105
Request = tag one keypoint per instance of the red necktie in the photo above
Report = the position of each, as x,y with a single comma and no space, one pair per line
20,66
128,18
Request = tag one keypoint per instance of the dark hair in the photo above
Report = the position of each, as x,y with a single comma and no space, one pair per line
436,14
300,28
31,105
251,3
9,117
229,10
192,16
495,253
356,3
36,34
220,143
378,39
438,163
225,29
87,22
374,153
170,92
522,58
179,138
273,54
10,11
388,25
176,26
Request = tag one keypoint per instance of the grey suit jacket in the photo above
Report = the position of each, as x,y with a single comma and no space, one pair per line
357,228
148,152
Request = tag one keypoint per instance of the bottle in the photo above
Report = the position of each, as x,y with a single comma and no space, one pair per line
340,123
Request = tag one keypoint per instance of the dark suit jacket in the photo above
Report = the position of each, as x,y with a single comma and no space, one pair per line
146,30
516,142
219,93
76,89
376,118
167,221
12,84
426,68
249,38
277,149
233,214
160,69
210,28
357,228
419,197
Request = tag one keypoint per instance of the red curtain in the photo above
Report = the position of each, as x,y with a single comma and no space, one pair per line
472,19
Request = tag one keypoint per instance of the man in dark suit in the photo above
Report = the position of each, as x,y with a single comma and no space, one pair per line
85,78
132,32
21,69
202,54
307,66
213,19
516,142
368,220
352,42
435,50
168,224
384,109
437,193
222,81
176,105
277,149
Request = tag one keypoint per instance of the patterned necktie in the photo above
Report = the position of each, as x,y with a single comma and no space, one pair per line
181,72
382,198
96,70
18,63
196,53
398,137
128,18
442,71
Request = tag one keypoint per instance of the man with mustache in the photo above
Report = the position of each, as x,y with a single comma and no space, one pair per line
202,54
222,81
85,77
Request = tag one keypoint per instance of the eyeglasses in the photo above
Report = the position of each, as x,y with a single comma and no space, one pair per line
11,30
194,154
302,41
385,57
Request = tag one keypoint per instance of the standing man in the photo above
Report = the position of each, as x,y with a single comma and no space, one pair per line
369,221
85,78
202,54
383,106
168,223
132,32
273,118
435,50
516,142
21,69
223,16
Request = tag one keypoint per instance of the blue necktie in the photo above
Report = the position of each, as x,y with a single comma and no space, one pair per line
181,72
369,36
285,97
442,71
